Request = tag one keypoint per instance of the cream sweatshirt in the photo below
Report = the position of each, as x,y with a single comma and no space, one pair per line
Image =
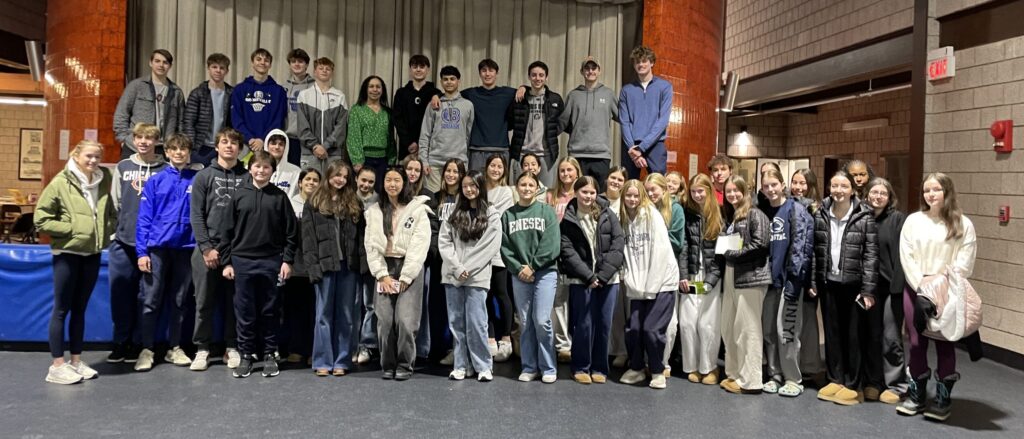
925,251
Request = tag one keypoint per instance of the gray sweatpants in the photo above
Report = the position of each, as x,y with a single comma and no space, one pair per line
398,321
212,289
781,323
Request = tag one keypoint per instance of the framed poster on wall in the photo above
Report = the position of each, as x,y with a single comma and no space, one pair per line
30,160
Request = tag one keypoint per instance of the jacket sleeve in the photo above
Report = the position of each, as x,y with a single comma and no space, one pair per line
802,231
426,132
509,256
416,254
145,220
122,118
446,249
664,109
178,115
486,247
197,207
614,256
47,216
361,249
374,241
303,117
712,263
565,119
238,121
615,108
310,245
572,263
291,230
870,257
336,140
550,242
228,235
191,117
625,124
898,279
677,237
355,139
757,244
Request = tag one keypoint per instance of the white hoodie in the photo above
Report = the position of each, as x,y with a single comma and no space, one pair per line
650,266
286,176
411,238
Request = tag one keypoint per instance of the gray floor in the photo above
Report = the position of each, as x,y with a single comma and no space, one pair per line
171,401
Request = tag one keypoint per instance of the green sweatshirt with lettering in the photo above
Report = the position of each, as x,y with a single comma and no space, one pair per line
530,237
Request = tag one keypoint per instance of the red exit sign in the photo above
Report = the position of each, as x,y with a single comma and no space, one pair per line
941,64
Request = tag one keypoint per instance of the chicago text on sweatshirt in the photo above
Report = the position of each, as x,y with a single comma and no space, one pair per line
445,133
257,108
130,176
587,118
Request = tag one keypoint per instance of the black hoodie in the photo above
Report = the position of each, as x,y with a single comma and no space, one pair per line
262,224
212,191
408,109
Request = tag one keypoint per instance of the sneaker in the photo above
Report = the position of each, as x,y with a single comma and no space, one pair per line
85,371
564,356
492,347
619,361
321,372
132,354
633,376
402,375
528,376
201,362
232,358
294,358
504,351
597,378
63,374
889,397
548,379
145,361
658,381
667,373
485,377
449,359
388,375
118,354
270,368
362,357
177,357
457,375
244,368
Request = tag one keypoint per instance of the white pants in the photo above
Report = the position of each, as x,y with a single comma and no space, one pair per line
700,333
741,330
781,322
560,317
673,326
619,318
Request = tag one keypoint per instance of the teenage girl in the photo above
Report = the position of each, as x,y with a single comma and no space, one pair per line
699,316
568,171
660,193
499,311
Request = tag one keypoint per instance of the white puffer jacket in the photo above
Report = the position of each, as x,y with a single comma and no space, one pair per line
411,238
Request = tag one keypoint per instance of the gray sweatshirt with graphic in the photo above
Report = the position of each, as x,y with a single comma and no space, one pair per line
587,118
445,132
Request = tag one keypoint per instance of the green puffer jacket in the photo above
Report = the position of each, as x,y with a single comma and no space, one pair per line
63,213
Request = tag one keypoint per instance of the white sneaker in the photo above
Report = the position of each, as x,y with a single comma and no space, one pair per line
177,357
485,377
63,374
492,347
233,358
362,357
504,351
145,361
548,379
658,381
633,376
457,375
449,359
201,362
85,371
528,376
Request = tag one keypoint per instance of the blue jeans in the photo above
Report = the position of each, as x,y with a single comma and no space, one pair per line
467,318
368,331
423,337
591,310
335,337
534,302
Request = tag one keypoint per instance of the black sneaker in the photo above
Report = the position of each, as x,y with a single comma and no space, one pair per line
270,368
388,375
244,368
402,375
118,354
132,354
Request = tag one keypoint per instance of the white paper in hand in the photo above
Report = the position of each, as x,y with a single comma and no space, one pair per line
728,242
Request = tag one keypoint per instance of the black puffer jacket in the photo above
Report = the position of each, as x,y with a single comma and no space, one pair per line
890,225
325,240
858,265
576,258
750,262
699,249
520,115
199,113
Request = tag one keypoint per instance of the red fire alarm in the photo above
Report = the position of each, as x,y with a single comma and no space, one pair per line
1002,134
1004,214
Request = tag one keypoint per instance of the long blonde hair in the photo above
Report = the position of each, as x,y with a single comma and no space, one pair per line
742,209
645,201
682,194
709,210
664,205
562,187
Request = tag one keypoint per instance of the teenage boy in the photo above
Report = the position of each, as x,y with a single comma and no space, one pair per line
644,107
153,99
258,104
130,177
257,252
535,122
490,124
208,109
589,109
445,134
164,245
298,81
366,180
720,168
323,119
411,103
212,191
286,175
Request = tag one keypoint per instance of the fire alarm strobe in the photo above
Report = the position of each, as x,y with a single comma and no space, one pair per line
1002,135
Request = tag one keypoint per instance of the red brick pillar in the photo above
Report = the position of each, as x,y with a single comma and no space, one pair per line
85,48
686,36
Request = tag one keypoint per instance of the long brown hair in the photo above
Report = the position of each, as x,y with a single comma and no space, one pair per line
950,212
337,202
581,183
893,202
418,185
709,210
742,209
812,187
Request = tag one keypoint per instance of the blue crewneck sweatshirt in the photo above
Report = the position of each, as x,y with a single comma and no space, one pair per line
490,128
643,114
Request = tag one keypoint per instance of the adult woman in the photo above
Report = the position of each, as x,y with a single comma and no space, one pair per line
332,227
298,293
661,196
885,361
397,241
370,136
613,192
499,312
592,246
700,313
568,171
790,251
530,246
937,237
803,186
845,274
650,277
468,242
76,210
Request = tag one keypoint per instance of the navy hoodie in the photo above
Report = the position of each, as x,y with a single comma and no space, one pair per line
490,123
257,108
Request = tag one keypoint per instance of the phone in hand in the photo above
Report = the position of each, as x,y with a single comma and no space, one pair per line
862,303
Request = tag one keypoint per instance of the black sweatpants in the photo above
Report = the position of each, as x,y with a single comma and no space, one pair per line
74,277
256,306
597,168
170,275
500,314
846,334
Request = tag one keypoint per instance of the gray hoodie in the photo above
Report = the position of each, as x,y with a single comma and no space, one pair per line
445,133
473,257
586,120
294,87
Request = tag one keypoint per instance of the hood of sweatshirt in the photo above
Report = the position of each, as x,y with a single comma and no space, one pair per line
307,80
83,181
278,132
251,81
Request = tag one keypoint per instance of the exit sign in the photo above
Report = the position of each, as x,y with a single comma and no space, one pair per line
941,63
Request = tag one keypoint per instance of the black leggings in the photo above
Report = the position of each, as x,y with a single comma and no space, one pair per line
499,327
74,277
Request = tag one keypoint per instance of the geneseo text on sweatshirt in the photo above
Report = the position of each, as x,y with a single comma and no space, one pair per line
587,118
130,176
530,236
212,191
445,133
257,108
260,224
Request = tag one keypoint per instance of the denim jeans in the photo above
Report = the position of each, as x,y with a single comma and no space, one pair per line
467,318
423,337
534,302
592,323
368,329
335,337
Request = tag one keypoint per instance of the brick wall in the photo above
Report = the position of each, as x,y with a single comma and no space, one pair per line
765,35
12,119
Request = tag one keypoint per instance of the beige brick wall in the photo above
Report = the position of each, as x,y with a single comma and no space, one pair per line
12,119
766,35
988,86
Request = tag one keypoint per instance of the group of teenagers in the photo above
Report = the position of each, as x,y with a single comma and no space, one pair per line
560,260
